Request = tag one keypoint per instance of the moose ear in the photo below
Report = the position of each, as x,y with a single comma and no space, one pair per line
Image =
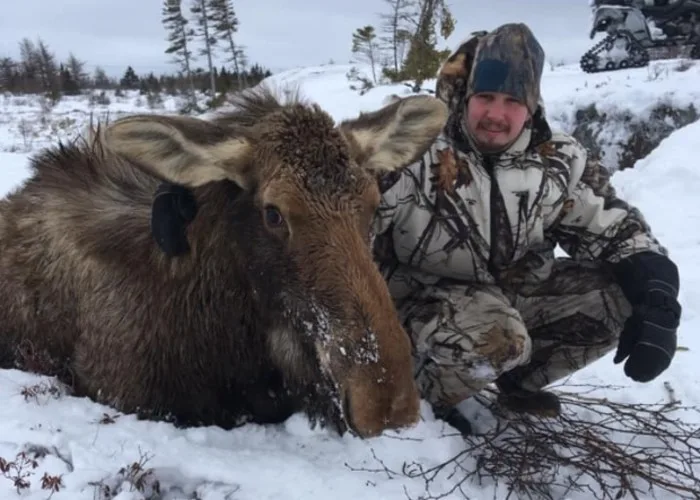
397,134
182,150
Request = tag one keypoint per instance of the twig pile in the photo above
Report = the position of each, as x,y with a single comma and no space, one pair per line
598,447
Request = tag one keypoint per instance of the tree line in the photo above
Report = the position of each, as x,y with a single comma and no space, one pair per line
403,45
210,31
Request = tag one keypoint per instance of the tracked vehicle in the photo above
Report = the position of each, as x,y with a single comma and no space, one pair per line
639,31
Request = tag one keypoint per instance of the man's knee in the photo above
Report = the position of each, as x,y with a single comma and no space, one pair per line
574,319
464,338
503,345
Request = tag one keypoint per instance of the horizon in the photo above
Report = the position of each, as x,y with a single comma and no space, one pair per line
140,41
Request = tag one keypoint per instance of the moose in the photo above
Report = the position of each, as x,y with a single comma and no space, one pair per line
278,307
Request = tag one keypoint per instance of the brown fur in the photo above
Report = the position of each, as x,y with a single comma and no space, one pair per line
454,72
446,170
257,321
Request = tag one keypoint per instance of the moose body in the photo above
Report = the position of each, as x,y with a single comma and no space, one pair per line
277,308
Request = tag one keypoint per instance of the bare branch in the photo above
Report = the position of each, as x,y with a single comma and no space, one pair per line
599,447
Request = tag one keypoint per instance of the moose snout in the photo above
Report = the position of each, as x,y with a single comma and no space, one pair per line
377,405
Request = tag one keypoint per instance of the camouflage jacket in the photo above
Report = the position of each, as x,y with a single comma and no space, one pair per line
454,214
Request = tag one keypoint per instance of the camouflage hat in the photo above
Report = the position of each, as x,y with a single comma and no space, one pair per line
508,59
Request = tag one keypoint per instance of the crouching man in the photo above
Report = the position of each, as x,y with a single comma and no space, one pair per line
466,240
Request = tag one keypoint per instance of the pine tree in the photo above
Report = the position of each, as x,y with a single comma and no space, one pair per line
242,64
9,74
224,81
225,26
100,79
130,81
203,15
152,83
76,68
29,66
423,59
39,68
397,33
48,70
69,85
179,36
364,43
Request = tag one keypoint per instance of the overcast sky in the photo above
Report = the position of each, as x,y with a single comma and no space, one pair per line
278,34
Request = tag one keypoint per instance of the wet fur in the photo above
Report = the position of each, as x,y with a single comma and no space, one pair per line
86,295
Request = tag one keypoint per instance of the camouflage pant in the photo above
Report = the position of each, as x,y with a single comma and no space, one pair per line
466,336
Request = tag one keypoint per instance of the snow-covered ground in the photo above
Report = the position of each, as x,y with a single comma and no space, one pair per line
87,444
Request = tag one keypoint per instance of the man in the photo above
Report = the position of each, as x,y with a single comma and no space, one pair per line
466,237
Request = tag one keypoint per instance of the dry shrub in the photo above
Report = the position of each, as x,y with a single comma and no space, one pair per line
597,447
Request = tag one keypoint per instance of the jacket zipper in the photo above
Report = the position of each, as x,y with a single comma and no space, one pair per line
493,196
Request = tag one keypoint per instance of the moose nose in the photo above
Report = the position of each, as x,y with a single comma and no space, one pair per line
395,408
405,408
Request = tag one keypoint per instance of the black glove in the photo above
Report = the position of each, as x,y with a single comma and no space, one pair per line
174,207
650,282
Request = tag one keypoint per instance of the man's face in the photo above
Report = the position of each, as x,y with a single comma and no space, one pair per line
495,120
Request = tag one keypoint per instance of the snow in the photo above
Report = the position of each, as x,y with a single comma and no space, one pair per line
87,443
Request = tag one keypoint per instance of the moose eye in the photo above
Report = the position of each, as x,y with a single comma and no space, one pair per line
273,217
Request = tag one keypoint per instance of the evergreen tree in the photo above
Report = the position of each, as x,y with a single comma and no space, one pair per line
76,68
29,66
152,83
69,86
364,43
423,59
225,26
224,81
48,70
204,18
397,34
101,80
41,72
9,75
130,81
169,84
180,37
242,59
257,73
37,66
